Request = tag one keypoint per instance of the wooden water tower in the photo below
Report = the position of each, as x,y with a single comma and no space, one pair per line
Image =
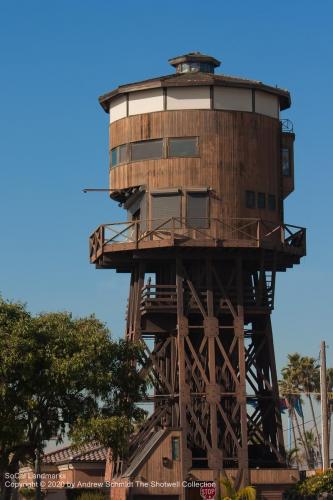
201,163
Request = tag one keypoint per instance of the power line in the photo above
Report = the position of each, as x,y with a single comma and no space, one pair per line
307,422
299,393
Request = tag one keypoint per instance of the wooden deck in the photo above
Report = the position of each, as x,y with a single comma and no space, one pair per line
129,236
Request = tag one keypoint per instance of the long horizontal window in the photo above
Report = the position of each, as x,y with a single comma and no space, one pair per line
155,149
184,146
146,150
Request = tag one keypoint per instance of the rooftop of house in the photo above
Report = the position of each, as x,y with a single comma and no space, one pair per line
91,452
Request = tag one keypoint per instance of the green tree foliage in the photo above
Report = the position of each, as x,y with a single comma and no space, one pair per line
60,374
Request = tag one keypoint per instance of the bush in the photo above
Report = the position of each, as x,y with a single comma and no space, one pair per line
92,495
86,494
320,483
29,493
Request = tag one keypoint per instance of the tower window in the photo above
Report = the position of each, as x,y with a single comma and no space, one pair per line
271,202
146,150
155,149
186,146
114,157
261,200
197,209
119,155
286,169
195,67
123,153
250,199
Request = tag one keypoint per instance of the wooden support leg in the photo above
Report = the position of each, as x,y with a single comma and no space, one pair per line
184,390
241,391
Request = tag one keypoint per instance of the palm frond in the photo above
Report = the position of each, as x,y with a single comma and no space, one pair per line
247,493
229,489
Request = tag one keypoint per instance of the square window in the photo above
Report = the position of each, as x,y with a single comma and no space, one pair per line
250,199
271,202
261,201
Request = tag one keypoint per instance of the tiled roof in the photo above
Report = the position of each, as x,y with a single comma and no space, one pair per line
91,452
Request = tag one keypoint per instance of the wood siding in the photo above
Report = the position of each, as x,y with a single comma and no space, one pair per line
238,151
155,470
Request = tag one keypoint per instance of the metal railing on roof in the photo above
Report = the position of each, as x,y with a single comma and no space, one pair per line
287,126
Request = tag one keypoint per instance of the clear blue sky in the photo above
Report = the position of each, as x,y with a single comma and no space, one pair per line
57,57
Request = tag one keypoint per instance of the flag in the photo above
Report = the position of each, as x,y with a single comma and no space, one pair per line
298,406
283,405
252,402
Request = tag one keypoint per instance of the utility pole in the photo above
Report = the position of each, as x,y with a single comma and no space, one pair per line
323,399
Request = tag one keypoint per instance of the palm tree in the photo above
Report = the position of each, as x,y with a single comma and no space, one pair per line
246,493
329,373
313,448
302,375
311,383
292,456
286,390
290,388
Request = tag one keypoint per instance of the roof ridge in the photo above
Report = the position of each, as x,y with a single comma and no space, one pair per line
59,450
86,449
74,452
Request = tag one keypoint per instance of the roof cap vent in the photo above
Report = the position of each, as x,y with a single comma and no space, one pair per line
194,62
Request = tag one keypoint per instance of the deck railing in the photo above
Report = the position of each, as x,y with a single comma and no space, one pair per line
183,231
163,297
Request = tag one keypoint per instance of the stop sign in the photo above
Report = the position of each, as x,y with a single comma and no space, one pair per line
208,492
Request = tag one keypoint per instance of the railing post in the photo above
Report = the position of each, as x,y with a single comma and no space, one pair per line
136,232
282,234
173,231
258,232
102,236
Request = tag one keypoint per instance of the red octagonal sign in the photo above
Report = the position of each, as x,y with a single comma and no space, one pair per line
208,492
